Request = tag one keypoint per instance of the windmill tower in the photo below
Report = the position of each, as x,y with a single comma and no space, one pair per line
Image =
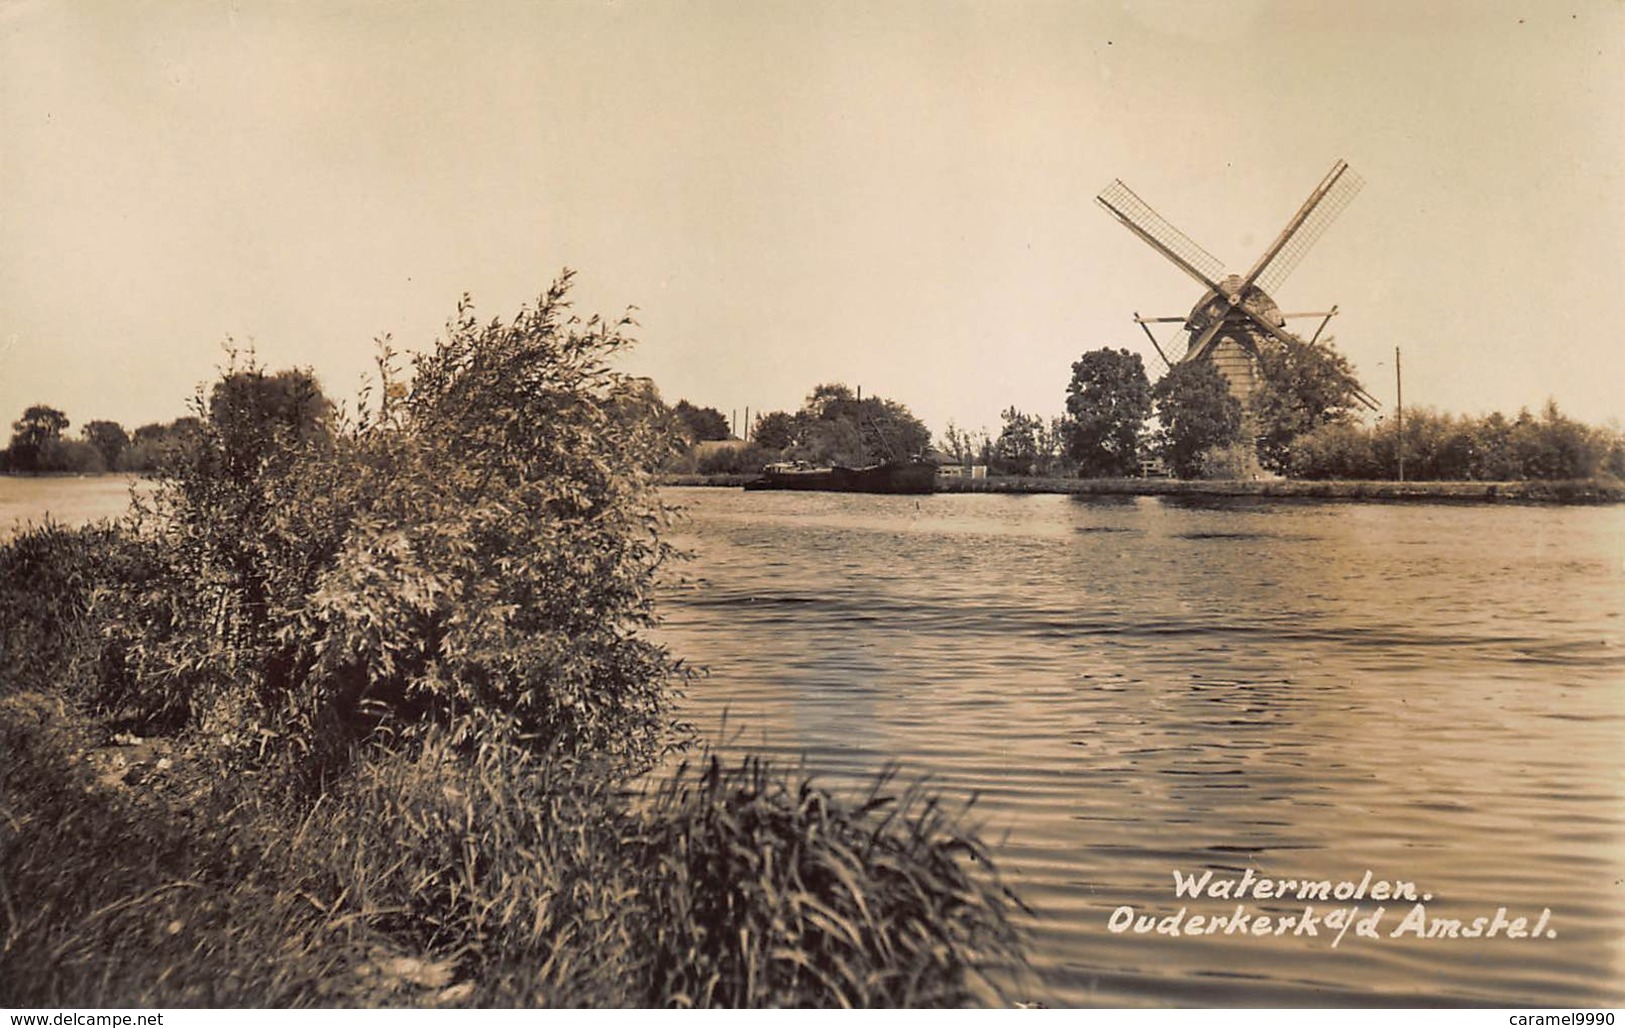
1236,312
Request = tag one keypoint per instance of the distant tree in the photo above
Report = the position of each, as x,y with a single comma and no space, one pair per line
1445,447
774,431
1301,387
151,445
1108,402
252,411
109,439
834,426
835,441
957,444
635,406
1016,450
702,424
1344,450
1052,438
1198,414
39,427
1493,459
72,455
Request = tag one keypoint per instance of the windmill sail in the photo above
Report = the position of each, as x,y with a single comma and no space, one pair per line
1146,223
1345,185
1174,348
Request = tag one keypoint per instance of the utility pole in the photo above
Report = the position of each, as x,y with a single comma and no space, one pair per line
1399,415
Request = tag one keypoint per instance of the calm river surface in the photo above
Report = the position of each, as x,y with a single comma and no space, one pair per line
1434,694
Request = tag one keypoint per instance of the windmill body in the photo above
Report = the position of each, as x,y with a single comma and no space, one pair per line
1236,315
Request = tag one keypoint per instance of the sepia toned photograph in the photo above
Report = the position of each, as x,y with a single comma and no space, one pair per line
997,504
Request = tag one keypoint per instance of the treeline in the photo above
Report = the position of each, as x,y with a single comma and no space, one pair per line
1444,447
1305,420
39,444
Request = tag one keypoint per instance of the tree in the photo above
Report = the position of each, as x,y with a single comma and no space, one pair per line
1338,451
1016,451
702,424
835,427
254,412
1052,440
39,427
774,431
151,445
1198,413
956,443
1108,400
109,439
1301,388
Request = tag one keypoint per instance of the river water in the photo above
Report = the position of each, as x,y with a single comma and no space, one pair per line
1135,687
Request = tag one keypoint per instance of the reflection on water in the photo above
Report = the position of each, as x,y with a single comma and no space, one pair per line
1134,686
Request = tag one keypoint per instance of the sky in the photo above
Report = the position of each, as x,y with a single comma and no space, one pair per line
894,194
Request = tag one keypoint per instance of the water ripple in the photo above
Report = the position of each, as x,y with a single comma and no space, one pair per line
1300,690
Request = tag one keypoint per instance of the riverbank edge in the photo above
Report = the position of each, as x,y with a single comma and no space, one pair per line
1588,491
1583,491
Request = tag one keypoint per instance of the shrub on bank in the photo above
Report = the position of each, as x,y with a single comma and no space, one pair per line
1442,447
55,581
399,661
477,555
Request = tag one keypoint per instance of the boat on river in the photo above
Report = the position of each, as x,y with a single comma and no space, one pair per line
893,476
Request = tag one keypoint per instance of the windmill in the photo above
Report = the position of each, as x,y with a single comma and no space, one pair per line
1236,312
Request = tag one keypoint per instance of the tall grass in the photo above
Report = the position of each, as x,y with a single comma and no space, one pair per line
430,878
772,892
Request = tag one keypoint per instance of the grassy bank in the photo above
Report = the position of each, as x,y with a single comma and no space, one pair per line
1585,491
364,710
137,873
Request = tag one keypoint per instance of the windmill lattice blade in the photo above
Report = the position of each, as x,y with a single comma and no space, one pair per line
1173,351
1122,201
1319,219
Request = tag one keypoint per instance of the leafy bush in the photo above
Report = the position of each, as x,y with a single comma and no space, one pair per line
1444,447
59,587
1302,386
1338,450
478,555
1235,462
51,576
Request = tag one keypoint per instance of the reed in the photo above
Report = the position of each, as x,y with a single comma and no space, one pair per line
430,878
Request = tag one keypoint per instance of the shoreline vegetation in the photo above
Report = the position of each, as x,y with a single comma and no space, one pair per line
361,710
1584,491
1533,491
